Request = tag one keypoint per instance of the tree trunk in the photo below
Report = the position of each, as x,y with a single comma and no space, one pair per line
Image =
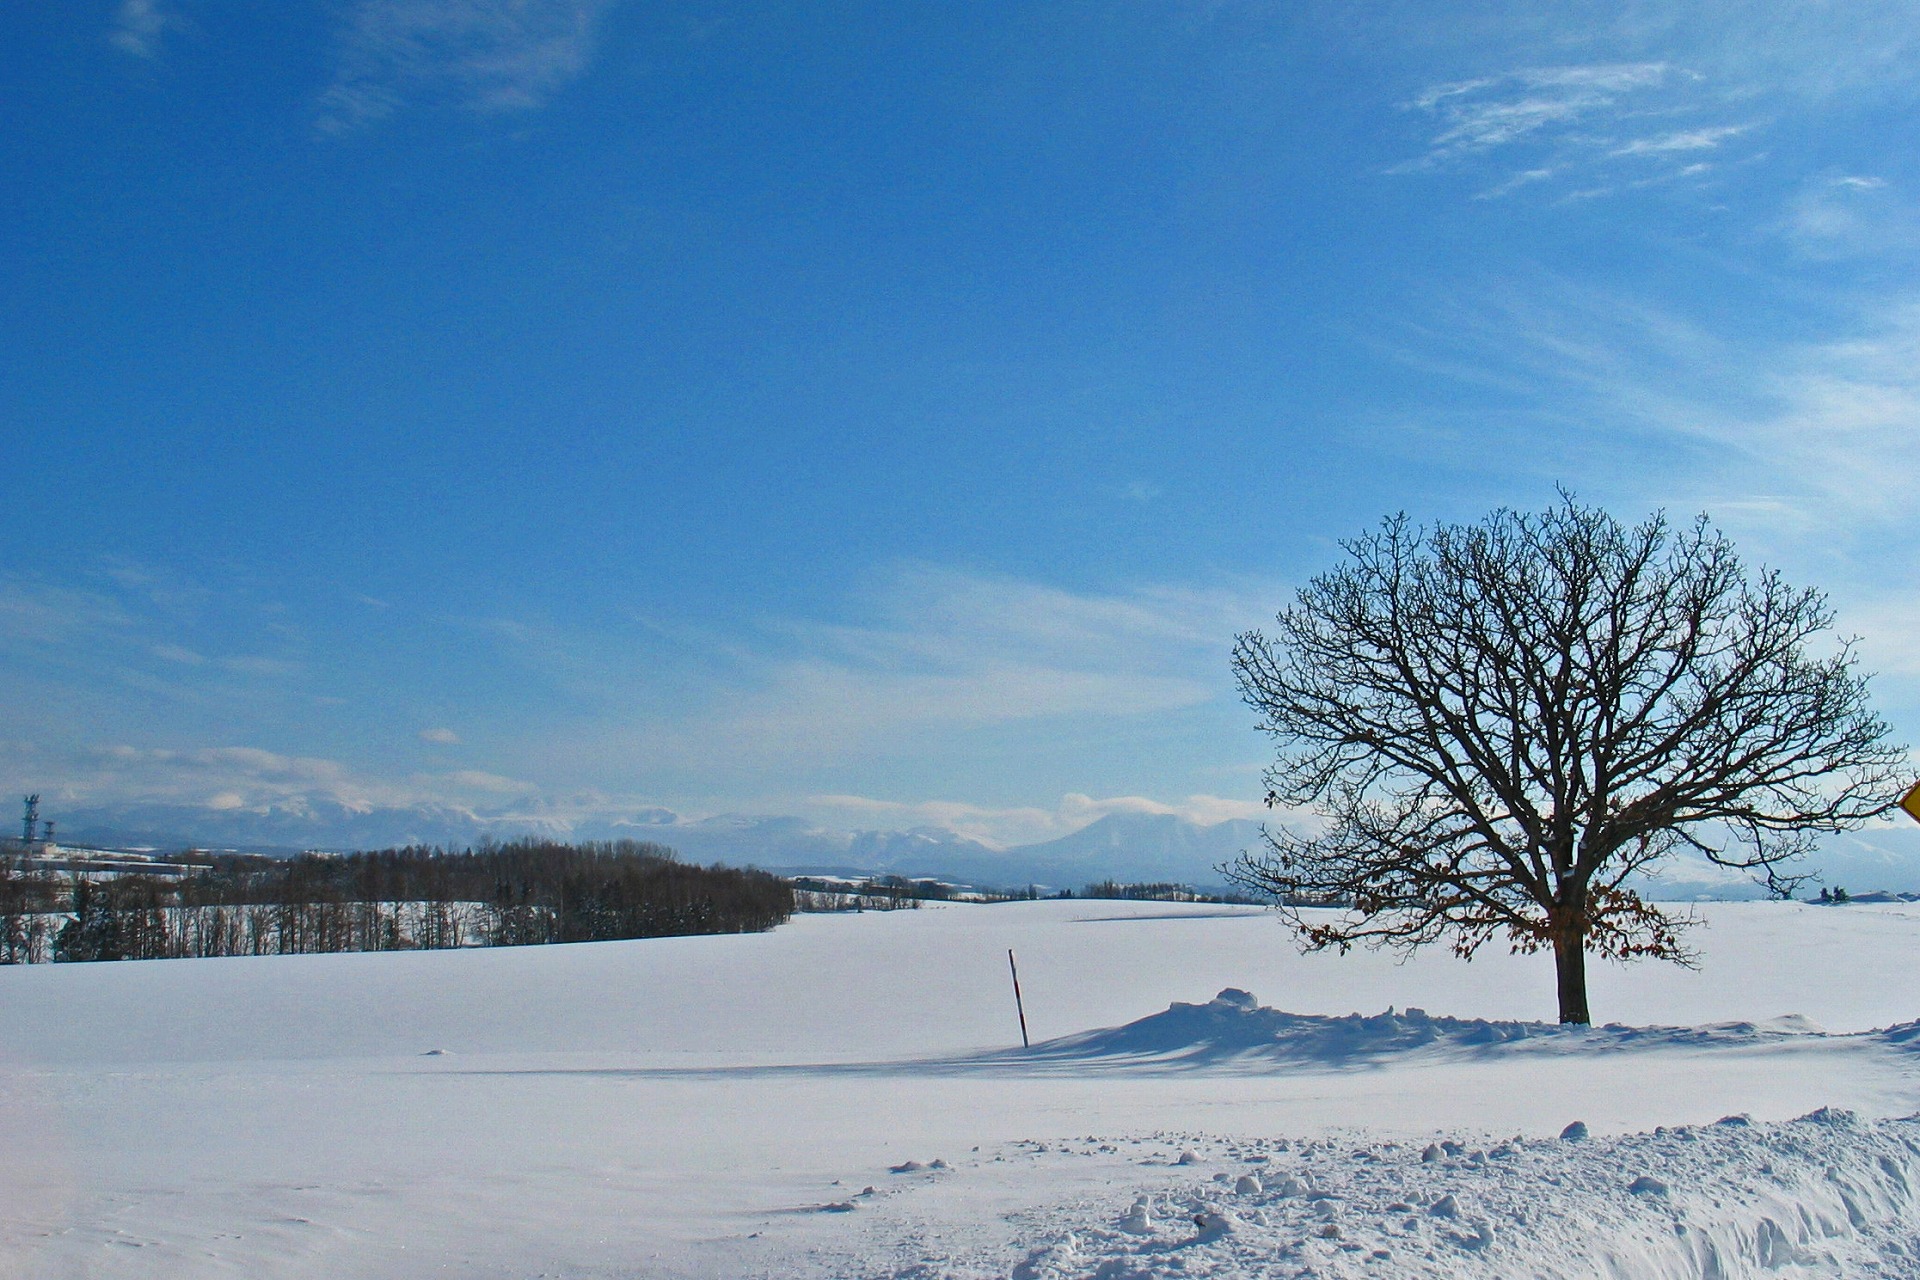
1570,964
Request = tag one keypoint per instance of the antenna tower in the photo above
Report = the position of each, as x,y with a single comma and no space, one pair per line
33,818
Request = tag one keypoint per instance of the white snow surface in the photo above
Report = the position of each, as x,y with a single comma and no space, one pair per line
847,1096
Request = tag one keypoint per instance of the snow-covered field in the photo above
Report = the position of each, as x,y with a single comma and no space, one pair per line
739,1106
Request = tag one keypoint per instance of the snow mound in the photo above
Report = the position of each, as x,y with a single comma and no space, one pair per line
1234,1027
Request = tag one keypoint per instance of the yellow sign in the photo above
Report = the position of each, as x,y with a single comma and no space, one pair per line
1911,802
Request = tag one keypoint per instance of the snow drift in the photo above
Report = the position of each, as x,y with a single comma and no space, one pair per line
1233,1030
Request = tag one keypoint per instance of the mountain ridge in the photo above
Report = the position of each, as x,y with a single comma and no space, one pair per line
1132,847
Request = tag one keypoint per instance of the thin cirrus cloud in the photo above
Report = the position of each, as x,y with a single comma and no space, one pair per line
929,656
924,658
1680,140
932,645
1824,430
936,677
121,618
40,614
1849,215
123,653
1828,430
1481,114
1651,95
949,649
487,56
1607,125
139,27
250,778
1803,448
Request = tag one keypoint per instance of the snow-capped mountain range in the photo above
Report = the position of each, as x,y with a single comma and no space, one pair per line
1133,847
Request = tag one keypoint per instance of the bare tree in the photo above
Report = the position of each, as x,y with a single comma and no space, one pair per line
1496,725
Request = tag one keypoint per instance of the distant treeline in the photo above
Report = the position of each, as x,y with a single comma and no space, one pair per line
893,893
1161,892
517,894
875,893
897,893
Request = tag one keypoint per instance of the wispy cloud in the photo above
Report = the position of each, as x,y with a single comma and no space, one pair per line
1525,178
483,55
1683,140
930,676
1641,96
1850,215
1496,111
247,778
1845,439
122,645
952,649
1825,432
1886,623
45,615
253,780
1614,122
1804,448
139,26
180,654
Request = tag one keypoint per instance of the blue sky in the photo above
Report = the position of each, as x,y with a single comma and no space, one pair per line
885,413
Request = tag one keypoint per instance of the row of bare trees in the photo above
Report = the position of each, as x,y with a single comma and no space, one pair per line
527,892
